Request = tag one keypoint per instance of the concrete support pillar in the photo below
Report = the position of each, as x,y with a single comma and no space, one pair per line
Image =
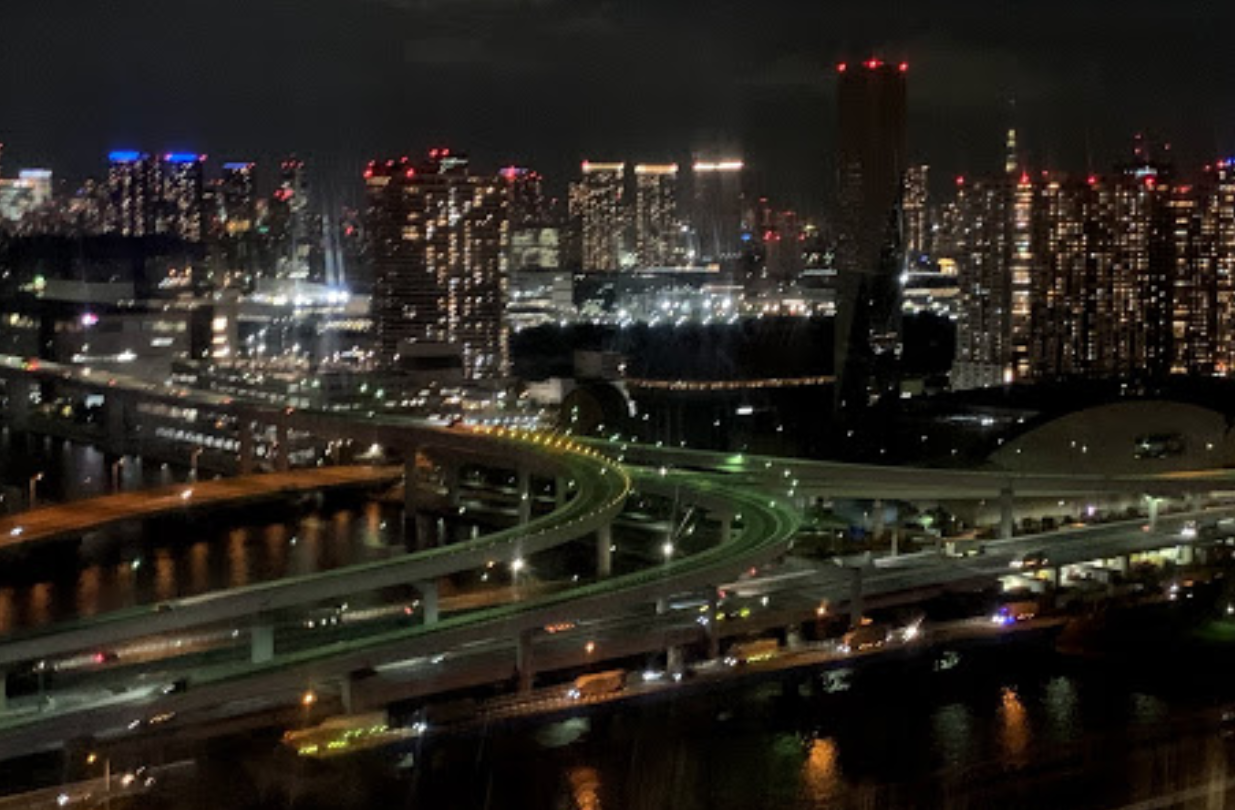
1186,555
675,660
423,529
726,528
409,489
793,637
604,551
450,474
560,492
524,664
244,462
523,493
712,628
345,694
282,448
896,539
428,601
1154,503
877,520
261,641
855,597
1006,523
114,419
19,391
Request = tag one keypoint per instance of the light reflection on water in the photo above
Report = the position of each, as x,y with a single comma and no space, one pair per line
821,775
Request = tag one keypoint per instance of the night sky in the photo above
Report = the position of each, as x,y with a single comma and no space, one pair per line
547,82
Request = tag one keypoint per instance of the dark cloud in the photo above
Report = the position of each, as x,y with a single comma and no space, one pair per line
551,81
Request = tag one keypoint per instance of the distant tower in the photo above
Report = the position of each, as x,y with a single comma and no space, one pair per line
239,203
717,216
916,206
872,161
525,196
132,193
181,185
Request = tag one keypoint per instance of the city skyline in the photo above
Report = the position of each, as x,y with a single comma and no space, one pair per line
1076,95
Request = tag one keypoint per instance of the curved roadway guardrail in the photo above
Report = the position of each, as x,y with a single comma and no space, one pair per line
843,479
601,485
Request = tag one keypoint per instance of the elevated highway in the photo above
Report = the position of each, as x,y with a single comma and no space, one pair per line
80,517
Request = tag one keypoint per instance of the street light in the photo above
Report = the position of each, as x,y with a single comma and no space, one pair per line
34,480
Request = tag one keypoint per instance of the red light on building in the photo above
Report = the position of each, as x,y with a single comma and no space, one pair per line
842,67
960,180
904,67
1093,180
368,173
411,173
1024,178
872,64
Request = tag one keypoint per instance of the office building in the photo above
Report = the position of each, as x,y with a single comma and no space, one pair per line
871,161
716,219
438,239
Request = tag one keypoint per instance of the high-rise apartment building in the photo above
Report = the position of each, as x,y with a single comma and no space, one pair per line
1217,247
657,229
525,197
181,183
597,210
979,246
238,197
1125,275
916,202
133,193
438,238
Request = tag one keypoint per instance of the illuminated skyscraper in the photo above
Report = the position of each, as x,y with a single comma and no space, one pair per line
871,161
717,216
239,197
596,203
1217,235
917,220
657,229
525,197
181,182
438,237
133,193
978,245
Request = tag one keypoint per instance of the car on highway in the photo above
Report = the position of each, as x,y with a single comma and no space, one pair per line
1030,561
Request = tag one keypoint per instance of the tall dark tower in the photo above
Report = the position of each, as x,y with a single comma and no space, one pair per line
871,161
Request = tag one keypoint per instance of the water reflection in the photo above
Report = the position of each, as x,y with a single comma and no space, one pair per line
1013,726
1060,701
584,788
953,733
821,776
